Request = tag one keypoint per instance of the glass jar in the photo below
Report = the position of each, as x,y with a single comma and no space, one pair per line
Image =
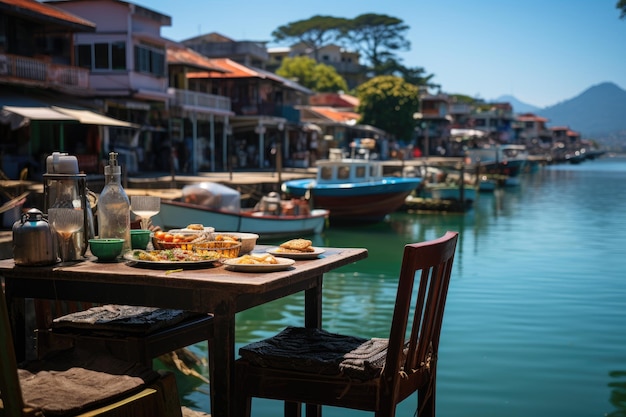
114,205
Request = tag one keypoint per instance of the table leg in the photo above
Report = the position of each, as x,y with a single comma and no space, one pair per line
222,357
313,305
313,318
17,317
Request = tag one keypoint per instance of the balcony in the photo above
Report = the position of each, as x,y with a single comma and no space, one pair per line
30,71
200,102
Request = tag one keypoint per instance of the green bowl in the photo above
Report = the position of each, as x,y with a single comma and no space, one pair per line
139,238
106,249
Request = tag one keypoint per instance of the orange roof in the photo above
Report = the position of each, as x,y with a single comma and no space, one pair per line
529,117
334,100
180,55
234,70
231,69
43,11
334,115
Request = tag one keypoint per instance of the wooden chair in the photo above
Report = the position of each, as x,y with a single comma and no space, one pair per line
81,384
129,333
312,366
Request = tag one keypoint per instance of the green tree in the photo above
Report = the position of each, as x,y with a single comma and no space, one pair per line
315,32
310,74
327,80
415,75
389,102
621,5
377,37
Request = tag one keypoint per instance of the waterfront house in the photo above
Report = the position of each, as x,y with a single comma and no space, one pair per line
338,122
126,60
37,71
266,111
531,130
198,120
433,125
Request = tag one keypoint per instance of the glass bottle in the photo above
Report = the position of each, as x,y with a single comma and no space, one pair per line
114,205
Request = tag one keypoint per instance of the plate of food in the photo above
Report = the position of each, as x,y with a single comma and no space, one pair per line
296,249
173,258
263,262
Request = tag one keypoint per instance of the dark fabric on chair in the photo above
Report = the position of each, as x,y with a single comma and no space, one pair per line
317,351
121,319
77,380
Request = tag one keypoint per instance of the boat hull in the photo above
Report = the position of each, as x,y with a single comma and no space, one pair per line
358,202
175,214
450,193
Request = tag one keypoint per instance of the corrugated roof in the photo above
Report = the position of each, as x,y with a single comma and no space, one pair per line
334,100
41,11
180,55
333,114
237,70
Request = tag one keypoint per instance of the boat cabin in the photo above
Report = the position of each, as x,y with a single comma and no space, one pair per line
348,170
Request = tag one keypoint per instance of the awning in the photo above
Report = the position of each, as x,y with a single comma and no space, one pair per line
54,113
90,118
39,113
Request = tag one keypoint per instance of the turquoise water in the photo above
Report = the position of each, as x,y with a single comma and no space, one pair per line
535,323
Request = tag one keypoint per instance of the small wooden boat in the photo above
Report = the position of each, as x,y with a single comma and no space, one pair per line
354,190
218,206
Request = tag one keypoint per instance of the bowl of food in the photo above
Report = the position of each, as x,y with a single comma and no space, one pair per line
173,239
226,248
106,249
139,238
248,240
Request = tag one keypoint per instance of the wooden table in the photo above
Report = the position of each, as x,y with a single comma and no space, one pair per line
212,290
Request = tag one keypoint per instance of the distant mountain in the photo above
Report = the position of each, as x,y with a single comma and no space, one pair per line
518,106
599,111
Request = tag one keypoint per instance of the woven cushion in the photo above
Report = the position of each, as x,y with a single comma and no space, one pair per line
319,352
77,380
121,319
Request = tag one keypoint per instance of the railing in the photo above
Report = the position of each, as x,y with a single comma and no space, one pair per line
196,99
40,71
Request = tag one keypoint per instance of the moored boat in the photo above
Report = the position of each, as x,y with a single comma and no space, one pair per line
354,190
507,161
218,206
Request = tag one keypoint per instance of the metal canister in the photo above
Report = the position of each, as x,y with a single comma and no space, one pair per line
34,242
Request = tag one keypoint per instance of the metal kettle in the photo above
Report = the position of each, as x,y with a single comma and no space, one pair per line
34,242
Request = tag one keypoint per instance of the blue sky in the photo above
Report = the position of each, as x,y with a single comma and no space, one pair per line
540,51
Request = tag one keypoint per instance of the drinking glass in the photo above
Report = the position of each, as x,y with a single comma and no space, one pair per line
65,222
145,206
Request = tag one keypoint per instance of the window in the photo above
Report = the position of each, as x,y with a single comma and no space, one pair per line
327,173
101,53
102,56
83,56
118,56
150,59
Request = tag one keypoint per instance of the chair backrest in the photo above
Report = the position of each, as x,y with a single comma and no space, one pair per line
10,390
427,265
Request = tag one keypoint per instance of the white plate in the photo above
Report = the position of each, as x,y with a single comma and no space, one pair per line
302,255
282,264
205,263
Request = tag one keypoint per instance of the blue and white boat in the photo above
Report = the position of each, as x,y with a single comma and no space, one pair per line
354,190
